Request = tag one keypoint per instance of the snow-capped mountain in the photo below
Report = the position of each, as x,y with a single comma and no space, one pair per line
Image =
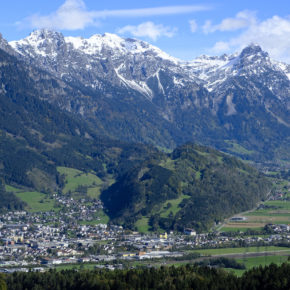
138,92
113,66
252,62
137,65
125,62
253,66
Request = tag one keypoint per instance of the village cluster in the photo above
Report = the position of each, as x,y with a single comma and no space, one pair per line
48,239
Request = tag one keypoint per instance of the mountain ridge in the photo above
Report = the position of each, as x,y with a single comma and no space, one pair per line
38,136
139,94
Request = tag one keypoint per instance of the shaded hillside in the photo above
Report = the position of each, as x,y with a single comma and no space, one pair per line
9,200
36,137
194,186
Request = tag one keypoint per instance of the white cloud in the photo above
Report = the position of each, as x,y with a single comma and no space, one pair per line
220,46
271,34
155,11
148,29
241,20
193,25
73,15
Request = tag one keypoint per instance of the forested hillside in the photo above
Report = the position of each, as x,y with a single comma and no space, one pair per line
36,137
9,200
193,186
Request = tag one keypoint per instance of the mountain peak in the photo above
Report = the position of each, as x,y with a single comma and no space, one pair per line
43,42
4,45
45,33
41,35
253,49
112,36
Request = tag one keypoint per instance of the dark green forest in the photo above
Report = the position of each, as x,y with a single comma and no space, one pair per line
169,278
214,186
36,137
9,200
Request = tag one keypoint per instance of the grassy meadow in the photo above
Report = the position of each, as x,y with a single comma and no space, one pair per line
36,201
269,212
74,179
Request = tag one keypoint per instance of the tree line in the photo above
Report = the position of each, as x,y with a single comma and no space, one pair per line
183,277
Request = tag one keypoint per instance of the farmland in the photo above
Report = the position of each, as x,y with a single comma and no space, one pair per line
241,250
276,210
36,201
78,182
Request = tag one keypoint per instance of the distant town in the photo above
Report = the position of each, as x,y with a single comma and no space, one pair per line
40,241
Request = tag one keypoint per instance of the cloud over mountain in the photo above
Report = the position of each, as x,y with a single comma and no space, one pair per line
272,34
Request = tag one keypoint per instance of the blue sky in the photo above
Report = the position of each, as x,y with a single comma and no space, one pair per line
183,28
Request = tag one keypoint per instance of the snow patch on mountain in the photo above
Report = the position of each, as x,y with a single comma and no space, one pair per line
105,62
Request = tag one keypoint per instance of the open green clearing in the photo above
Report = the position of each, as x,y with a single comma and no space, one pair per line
169,207
236,148
75,178
168,163
13,189
278,212
252,262
142,225
239,229
36,201
172,205
94,192
279,203
270,213
223,251
83,266
264,260
248,262
101,218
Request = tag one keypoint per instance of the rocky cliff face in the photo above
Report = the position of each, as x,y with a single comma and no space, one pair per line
139,93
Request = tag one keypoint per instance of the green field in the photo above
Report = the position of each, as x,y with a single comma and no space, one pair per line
274,212
94,192
270,213
168,163
10,188
223,251
252,262
170,206
197,175
264,260
174,208
239,229
75,178
236,148
279,213
101,218
82,266
279,203
36,201
142,225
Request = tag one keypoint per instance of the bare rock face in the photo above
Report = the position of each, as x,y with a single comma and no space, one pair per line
140,93
125,63
4,45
